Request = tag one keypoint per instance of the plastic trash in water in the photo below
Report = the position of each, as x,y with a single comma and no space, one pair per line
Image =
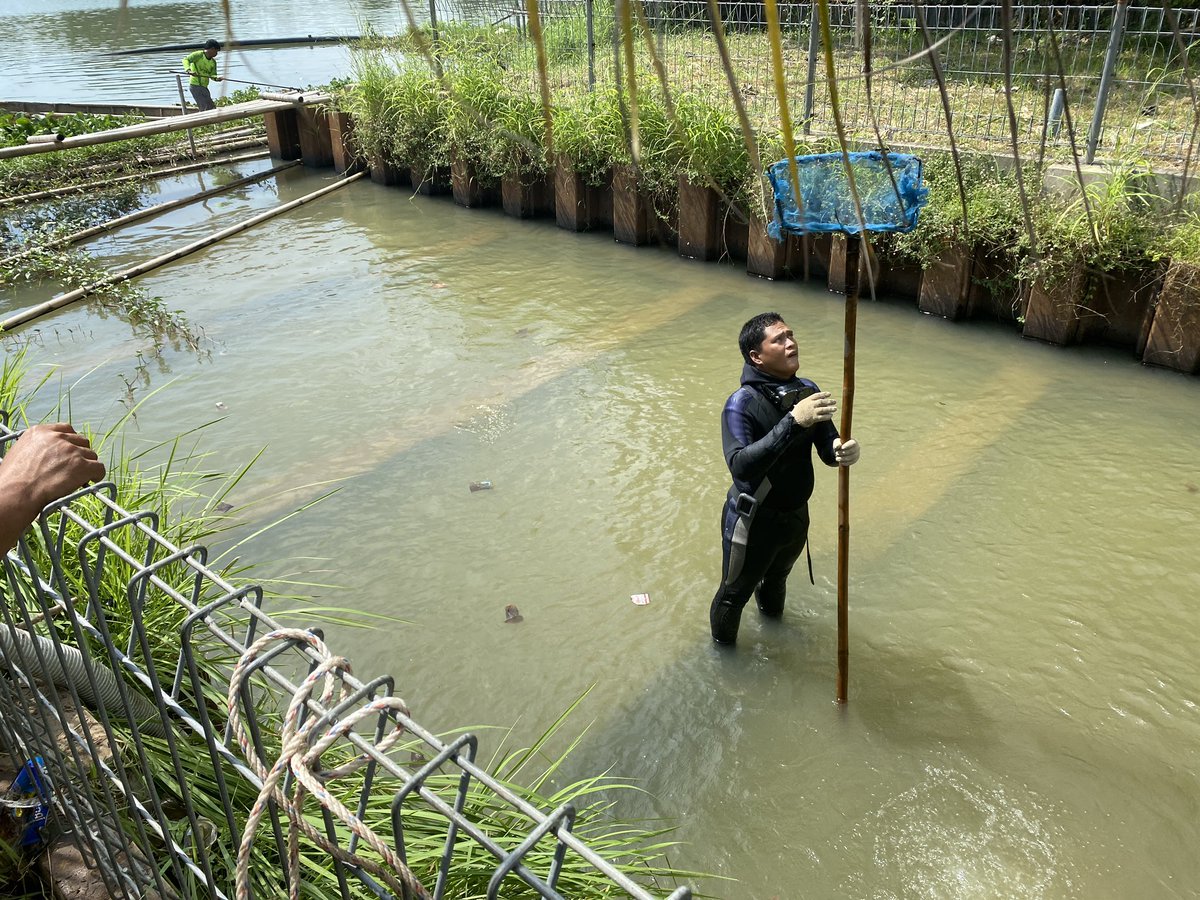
480,486
640,599
512,615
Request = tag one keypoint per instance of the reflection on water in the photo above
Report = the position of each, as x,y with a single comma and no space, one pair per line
1022,717
62,50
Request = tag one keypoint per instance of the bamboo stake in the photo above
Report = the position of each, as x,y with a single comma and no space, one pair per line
113,224
153,173
246,110
852,247
69,297
843,561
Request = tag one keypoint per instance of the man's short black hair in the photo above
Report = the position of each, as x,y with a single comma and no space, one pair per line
210,44
754,331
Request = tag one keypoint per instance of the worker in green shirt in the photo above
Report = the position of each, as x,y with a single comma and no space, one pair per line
202,65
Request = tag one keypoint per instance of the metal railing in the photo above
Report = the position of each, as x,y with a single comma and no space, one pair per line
1126,68
120,709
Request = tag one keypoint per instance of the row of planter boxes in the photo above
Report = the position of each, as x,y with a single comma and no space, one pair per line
1154,313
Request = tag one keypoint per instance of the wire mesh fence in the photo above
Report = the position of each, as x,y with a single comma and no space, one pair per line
158,713
1125,71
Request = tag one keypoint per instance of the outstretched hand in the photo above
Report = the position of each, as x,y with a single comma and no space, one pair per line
846,453
818,407
47,462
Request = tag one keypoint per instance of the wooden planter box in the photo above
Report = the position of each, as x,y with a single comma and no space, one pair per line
1119,309
735,236
1052,313
316,142
283,133
900,278
631,211
837,267
984,302
386,172
699,231
525,198
946,285
346,158
431,181
467,189
579,206
765,256
1174,338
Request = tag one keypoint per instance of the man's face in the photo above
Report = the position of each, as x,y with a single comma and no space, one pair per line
778,355
211,53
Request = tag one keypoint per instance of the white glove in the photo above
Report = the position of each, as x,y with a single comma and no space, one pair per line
846,453
820,407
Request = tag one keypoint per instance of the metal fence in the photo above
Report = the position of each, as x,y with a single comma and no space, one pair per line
119,710
1125,70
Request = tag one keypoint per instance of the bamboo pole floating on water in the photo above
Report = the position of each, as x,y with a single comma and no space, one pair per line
247,110
153,173
121,222
69,297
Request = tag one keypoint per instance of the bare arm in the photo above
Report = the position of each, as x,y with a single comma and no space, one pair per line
47,462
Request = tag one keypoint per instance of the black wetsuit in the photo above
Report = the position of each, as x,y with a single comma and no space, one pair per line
762,440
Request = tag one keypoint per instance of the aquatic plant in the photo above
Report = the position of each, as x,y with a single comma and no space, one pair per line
588,131
149,316
993,211
1108,227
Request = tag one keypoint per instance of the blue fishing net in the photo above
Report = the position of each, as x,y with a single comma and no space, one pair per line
889,186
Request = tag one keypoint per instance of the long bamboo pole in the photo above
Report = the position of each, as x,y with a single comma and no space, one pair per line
853,243
206,144
69,297
143,176
113,224
229,113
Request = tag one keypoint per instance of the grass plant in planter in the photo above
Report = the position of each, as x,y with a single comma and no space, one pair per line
520,133
644,194
1094,277
715,176
476,163
588,136
370,103
968,267
1173,338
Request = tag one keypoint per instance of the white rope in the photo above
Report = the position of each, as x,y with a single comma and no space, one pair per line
300,752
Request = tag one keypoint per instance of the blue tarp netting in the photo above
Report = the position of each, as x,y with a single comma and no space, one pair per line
889,186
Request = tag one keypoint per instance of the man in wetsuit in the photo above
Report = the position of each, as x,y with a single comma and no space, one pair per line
202,65
769,428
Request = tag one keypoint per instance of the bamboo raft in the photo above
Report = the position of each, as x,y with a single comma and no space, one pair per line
164,126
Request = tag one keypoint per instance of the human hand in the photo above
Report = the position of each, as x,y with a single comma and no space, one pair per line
846,453
48,462
818,407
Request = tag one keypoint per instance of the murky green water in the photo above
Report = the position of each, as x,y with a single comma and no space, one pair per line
1022,719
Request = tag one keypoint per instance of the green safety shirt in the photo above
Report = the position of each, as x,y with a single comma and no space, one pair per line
201,67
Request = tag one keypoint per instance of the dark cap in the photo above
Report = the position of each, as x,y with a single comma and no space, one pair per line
212,45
